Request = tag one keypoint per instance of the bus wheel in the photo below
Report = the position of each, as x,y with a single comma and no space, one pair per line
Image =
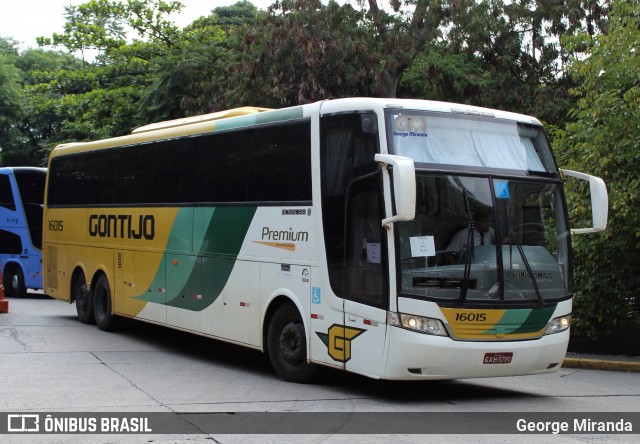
102,305
13,281
83,298
287,345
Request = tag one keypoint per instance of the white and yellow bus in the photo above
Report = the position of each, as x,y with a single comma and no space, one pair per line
345,233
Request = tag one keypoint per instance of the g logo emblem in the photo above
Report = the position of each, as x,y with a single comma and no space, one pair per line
338,341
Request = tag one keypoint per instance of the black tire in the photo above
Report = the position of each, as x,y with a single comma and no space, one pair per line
83,298
13,281
287,345
102,306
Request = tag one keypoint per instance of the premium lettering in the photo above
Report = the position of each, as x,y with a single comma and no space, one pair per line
123,226
284,235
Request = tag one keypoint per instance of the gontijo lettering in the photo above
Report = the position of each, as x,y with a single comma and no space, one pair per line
122,226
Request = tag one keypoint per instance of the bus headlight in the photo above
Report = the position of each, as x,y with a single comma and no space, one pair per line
558,324
420,324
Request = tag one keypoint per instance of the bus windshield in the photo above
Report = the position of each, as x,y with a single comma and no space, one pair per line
485,240
469,141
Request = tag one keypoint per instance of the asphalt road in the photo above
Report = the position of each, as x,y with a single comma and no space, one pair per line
51,363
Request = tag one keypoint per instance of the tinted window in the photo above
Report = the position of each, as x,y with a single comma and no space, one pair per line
31,186
366,277
82,179
348,144
67,181
101,168
6,193
280,164
223,167
135,174
174,172
268,164
10,242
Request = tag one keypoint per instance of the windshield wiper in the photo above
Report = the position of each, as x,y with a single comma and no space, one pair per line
525,261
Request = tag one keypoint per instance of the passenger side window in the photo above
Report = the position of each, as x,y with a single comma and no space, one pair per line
6,194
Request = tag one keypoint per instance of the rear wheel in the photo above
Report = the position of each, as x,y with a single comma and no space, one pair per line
102,305
83,298
287,345
13,281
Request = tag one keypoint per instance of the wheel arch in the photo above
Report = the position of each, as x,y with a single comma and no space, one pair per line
11,263
279,299
74,275
97,274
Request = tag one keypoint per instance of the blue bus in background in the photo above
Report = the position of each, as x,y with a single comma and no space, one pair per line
21,203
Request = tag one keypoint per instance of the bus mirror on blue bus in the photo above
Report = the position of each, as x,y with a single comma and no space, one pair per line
404,186
599,202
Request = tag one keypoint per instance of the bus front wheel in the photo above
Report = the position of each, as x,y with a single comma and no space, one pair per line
102,305
287,345
13,281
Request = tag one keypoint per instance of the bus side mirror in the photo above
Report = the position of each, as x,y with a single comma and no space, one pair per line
599,202
404,186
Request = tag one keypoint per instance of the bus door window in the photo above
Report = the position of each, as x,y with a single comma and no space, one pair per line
366,252
348,145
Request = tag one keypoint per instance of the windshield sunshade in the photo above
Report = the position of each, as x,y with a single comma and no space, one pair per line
469,141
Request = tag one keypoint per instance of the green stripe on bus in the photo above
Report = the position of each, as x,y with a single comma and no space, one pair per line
538,318
197,281
260,118
521,321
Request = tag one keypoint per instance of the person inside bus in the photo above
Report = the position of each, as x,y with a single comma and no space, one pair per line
483,234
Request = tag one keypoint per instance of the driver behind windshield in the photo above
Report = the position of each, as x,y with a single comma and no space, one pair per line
483,234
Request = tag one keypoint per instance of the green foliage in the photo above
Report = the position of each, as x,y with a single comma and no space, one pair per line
183,75
501,55
240,13
10,111
603,139
102,24
304,51
74,100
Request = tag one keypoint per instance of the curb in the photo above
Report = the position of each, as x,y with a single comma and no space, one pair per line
592,363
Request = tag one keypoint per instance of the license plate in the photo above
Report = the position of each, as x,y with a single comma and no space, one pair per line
497,358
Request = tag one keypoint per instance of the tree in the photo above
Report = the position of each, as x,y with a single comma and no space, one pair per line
503,55
183,75
102,25
603,139
101,97
304,51
155,75
41,120
10,111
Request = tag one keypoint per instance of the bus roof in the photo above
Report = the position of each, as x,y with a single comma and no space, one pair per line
202,118
251,115
23,168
